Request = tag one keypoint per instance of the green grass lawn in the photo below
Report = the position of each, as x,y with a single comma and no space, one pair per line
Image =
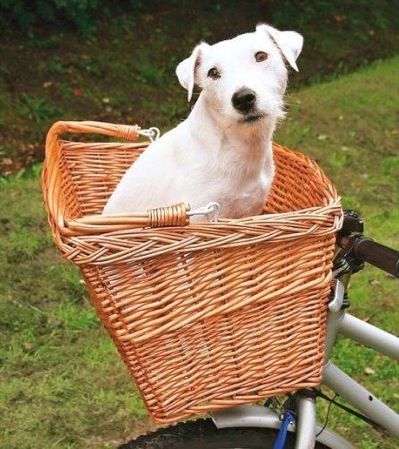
62,384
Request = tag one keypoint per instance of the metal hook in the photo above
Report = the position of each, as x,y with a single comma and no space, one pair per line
211,211
152,133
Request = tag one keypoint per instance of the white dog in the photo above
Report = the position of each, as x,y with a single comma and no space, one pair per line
222,152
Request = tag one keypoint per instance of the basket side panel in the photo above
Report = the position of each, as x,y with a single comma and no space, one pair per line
94,170
68,187
298,183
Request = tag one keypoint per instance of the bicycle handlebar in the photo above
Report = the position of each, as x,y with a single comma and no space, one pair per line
380,256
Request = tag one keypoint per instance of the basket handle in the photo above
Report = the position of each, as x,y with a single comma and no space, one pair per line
176,215
55,200
126,132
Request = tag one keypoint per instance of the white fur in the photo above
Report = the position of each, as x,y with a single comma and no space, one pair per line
214,155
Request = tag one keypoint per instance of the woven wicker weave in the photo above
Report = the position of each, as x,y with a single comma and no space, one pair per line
204,316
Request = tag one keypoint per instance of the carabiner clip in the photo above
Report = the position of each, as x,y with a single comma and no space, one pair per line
152,133
211,211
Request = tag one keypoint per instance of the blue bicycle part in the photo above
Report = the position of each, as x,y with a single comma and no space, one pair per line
288,418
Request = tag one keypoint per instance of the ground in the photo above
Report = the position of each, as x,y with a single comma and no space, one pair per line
62,385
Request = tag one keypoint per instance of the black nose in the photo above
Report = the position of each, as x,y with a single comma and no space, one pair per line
244,100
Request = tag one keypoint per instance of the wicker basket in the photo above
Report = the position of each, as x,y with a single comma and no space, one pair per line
204,316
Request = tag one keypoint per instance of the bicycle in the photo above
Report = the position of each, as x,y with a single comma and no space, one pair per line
293,425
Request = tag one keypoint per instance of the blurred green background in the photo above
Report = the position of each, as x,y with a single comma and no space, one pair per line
61,382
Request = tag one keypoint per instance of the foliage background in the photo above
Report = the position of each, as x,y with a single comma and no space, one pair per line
61,382
115,61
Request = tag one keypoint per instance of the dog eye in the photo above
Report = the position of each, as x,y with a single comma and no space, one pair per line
261,56
214,73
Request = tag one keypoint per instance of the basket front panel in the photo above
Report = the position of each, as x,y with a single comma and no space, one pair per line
94,170
236,358
267,334
175,289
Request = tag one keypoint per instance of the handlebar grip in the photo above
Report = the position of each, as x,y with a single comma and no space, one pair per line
380,256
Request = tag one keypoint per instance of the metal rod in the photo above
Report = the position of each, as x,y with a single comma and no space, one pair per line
361,399
369,335
306,423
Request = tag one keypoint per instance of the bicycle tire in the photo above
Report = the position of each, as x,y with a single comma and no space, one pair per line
203,434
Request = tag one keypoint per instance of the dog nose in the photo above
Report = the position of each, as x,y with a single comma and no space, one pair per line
244,100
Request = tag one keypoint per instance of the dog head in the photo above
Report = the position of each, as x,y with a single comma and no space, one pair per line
243,79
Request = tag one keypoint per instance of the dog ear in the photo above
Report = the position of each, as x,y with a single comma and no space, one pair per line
185,71
289,42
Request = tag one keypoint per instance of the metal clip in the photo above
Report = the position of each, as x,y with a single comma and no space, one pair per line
211,211
336,303
152,133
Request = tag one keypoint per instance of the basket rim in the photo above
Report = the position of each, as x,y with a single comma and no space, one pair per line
110,223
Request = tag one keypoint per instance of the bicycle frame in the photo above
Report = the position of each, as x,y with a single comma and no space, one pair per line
339,322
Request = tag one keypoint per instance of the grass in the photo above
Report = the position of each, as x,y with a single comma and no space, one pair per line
62,384
352,131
